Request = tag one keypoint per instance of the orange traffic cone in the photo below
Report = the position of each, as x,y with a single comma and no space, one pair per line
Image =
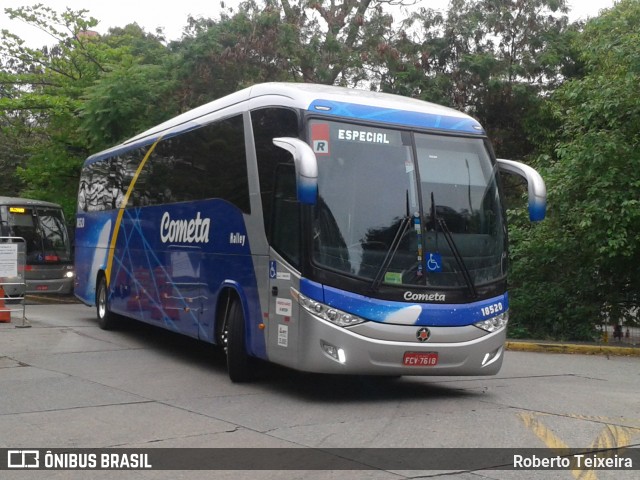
5,314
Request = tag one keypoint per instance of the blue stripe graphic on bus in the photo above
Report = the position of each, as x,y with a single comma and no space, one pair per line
307,190
170,262
92,247
537,210
398,117
404,313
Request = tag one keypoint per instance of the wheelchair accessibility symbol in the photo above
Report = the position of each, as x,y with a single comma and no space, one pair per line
434,263
273,272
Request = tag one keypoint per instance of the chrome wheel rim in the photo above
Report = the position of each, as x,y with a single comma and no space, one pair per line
102,302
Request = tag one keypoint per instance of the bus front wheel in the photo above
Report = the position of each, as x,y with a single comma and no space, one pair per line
106,319
239,364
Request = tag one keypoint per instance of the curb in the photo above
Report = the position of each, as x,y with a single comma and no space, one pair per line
572,349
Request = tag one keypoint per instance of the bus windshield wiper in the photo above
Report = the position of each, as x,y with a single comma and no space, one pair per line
440,222
393,248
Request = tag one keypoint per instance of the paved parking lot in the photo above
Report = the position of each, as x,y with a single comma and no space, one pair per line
64,383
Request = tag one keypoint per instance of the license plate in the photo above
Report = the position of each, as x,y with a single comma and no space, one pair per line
419,359
42,288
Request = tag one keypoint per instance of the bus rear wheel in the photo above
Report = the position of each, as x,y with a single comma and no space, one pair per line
106,319
240,365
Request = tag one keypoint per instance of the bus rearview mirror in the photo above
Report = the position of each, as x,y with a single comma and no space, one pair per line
537,189
306,166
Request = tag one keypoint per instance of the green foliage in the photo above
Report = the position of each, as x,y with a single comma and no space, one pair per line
216,58
589,248
61,102
490,58
549,298
15,136
51,176
124,101
319,42
41,87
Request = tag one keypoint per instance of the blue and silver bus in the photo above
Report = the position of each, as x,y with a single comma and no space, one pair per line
320,228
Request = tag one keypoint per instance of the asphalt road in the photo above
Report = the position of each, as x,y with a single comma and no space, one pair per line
64,383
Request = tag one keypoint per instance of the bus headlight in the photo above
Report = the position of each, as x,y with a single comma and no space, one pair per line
69,272
495,323
330,314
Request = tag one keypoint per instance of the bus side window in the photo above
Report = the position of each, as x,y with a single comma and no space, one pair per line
285,237
104,183
270,123
207,162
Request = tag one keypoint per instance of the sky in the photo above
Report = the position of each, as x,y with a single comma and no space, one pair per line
172,15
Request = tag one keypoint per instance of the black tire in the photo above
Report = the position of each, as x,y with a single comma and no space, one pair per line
240,365
106,319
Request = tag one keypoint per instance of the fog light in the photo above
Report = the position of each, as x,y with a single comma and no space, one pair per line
334,352
330,350
492,357
69,274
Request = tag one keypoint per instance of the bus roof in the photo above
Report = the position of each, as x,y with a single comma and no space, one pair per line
340,102
26,202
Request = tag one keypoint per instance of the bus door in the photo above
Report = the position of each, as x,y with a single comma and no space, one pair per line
283,312
285,256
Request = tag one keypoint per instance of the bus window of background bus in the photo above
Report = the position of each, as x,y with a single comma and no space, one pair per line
55,243
45,234
24,225
280,208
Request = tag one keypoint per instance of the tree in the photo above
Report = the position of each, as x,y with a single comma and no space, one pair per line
218,57
321,41
46,90
493,59
15,136
46,85
135,92
586,255
330,41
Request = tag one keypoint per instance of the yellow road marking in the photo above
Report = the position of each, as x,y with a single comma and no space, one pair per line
611,437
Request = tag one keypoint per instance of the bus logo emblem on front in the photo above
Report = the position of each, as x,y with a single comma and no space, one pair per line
423,334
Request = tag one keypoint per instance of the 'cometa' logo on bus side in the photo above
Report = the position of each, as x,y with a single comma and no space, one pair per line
195,230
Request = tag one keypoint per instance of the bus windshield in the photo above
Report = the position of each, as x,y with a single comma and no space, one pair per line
44,232
400,207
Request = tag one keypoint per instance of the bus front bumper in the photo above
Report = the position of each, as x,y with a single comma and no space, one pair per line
61,286
327,348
